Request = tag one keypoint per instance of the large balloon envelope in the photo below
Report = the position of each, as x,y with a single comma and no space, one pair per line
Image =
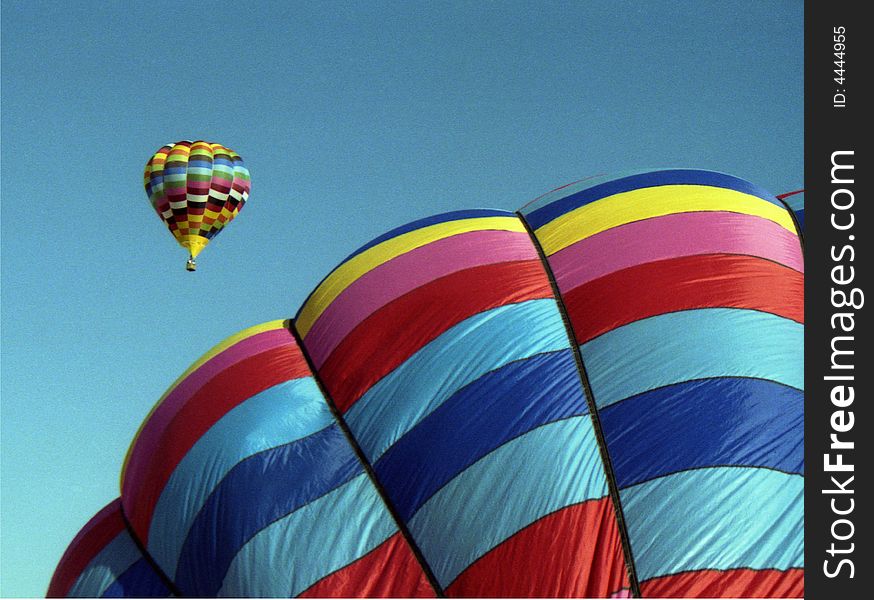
600,395
197,188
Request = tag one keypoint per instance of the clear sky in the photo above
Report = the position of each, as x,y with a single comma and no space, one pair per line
353,118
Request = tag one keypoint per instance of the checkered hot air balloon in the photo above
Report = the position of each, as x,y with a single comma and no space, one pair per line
197,188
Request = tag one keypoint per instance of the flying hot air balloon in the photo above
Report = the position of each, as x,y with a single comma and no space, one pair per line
600,395
197,188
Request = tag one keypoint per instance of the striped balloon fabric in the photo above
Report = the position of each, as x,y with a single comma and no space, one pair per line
105,561
242,460
598,396
684,290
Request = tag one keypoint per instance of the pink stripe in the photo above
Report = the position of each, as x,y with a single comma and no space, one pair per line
623,593
147,440
406,272
672,236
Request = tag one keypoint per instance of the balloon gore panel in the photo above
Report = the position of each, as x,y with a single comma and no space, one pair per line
685,292
446,351
241,460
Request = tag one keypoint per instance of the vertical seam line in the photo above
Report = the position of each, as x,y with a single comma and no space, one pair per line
794,223
593,411
149,559
368,468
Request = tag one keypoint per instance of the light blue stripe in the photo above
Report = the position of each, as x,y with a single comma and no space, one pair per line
464,353
546,469
199,170
322,537
717,518
115,558
281,414
694,344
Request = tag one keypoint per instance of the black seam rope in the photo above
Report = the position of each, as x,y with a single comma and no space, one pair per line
368,468
158,570
794,222
593,410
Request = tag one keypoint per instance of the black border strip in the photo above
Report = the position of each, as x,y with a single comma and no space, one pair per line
170,585
368,468
593,410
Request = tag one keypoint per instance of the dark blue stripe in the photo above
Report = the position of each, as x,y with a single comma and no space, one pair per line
478,418
799,216
255,493
551,211
138,581
708,422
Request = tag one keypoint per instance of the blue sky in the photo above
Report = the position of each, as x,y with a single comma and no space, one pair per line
353,118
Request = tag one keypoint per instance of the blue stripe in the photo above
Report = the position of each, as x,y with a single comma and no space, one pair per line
258,491
279,415
179,168
462,354
200,162
139,581
499,406
323,536
103,570
456,215
799,216
725,421
693,344
722,518
536,474
541,216
577,186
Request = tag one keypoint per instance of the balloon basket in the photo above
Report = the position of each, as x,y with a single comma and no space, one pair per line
191,265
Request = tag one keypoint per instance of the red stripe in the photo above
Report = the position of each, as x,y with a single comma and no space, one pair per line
689,282
389,571
574,552
91,539
734,583
396,331
201,411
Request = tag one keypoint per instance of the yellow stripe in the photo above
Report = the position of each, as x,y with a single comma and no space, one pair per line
224,345
215,351
646,203
360,264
